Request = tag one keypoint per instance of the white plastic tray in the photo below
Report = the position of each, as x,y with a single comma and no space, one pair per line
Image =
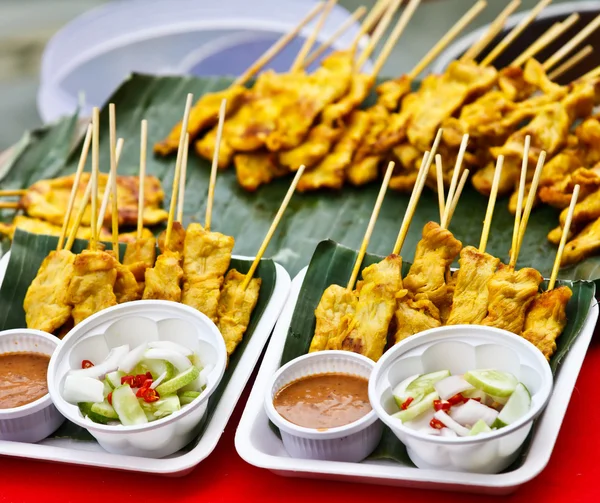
91,454
259,445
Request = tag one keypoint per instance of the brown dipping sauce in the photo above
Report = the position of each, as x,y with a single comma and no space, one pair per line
324,401
22,378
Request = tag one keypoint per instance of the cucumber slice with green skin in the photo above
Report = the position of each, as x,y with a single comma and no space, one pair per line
424,384
127,407
114,378
105,410
493,382
86,411
187,397
399,392
426,404
107,388
179,381
517,406
156,368
163,407
480,427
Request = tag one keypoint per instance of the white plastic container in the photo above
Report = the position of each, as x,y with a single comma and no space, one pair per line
352,442
36,420
461,348
172,322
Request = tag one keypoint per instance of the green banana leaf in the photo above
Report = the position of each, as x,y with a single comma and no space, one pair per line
341,216
27,252
332,263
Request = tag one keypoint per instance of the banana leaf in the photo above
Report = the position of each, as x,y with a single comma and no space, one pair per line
27,253
332,263
341,216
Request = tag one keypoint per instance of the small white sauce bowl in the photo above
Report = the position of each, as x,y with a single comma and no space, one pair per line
134,323
461,348
36,420
352,442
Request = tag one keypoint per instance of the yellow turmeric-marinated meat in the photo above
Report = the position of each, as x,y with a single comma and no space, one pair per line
376,304
436,250
470,301
318,144
559,195
206,258
510,294
140,255
414,316
47,304
206,146
126,286
335,309
446,305
395,131
37,226
546,319
235,308
391,92
48,199
331,172
254,169
360,87
176,240
163,281
364,171
204,114
408,160
583,245
584,212
92,287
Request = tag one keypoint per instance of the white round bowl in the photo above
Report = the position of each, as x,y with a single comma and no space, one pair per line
34,421
133,323
461,348
352,442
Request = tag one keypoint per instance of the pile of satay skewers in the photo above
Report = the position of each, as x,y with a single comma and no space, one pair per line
481,291
193,266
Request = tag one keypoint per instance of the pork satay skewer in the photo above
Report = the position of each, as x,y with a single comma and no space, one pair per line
572,44
439,174
455,177
547,317
494,29
487,223
80,167
373,18
521,193
106,197
515,32
571,62
454,203
13,192
240,292
184,161
213,169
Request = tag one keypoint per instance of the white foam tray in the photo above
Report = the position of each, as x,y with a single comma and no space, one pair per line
257,444
91,454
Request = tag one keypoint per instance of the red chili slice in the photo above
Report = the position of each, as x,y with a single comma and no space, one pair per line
441,405
407,402
150,395
109,398
128,380
456,399
436,423
86,364
141,391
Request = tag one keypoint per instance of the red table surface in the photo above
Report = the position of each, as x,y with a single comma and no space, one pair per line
572,475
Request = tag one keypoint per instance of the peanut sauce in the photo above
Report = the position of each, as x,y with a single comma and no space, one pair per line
324,400
22,378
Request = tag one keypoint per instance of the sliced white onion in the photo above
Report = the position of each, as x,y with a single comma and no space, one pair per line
179,361
131,359
471,412
459,429
447,432
82,389
173,346
451,386
110,363
159,379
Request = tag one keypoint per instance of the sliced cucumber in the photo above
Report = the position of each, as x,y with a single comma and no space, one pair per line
157,368
105,410
413,411
492,382
163,407
107,388
424,384
86,411
127,406
178,382
399,391
186,397
517,406
480,427
114,378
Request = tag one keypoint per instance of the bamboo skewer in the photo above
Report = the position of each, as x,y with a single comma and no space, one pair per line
571,62
184,124
358,13
373,17
514,33
142,180
461,186
94,176
107,190
382,26
487,223
80,167
439,174
214,167
495,28
277,47
455,177
460,25
528,206
592,74
563,238
549,36
11,192
9,205
572,44
521,194
407,14
276,220
113,183
184,161
298,63
374,214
